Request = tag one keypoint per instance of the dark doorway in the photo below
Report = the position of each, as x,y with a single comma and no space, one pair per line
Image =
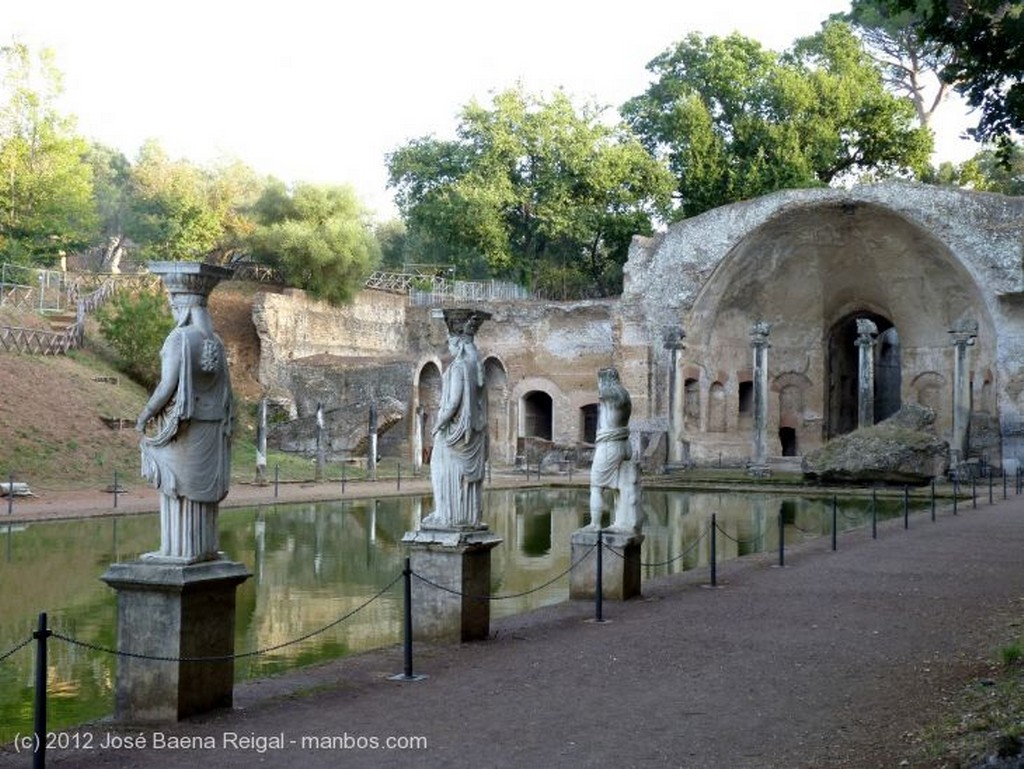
843,365
589,415
787,437
537,414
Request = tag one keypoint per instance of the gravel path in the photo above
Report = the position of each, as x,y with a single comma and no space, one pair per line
832,661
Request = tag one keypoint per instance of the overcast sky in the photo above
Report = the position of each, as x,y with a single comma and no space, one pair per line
313,90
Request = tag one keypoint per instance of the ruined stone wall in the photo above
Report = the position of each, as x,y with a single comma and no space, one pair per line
313,352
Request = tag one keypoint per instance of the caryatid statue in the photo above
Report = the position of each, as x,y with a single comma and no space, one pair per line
188,458
613,466
459,460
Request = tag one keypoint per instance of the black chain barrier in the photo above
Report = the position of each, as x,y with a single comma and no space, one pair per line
739,542
670,561
551,581
17,648
226,657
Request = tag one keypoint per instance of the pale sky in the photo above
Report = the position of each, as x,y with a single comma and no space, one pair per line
321,90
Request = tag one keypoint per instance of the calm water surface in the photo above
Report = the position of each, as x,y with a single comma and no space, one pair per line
315,563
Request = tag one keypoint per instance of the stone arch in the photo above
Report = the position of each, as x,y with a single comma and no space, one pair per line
537,415
805,265
427,398
502,445
791,388
841,384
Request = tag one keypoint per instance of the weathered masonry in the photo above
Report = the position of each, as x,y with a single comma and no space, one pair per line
864,299
936,272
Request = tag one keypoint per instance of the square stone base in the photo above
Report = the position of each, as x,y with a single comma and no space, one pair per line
620,570
451,602
173,610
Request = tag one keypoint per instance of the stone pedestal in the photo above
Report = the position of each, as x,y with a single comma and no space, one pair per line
458,561
620,571
174,610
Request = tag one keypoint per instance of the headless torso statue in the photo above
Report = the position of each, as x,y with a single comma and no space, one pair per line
613,466
189,457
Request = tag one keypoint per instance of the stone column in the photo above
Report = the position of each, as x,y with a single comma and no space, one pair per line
866,332
418,427
964,333
321,443
673,342
371,459
759,342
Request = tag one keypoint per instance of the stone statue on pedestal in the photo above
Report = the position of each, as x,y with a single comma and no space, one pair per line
459,460
188,458
614,466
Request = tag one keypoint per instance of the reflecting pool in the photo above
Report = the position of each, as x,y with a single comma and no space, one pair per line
316,564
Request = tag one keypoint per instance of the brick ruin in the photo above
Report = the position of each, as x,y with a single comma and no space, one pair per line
886,275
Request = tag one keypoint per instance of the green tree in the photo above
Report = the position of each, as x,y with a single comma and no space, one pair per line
911,64
135,325
988,68
734,120
46,194
174,213
319,236
531,189
995,170
392,239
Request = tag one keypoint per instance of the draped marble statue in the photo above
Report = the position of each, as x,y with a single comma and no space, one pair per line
188,457
614,467
459,459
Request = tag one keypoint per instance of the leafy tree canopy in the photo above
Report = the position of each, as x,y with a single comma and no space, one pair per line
988,66
531,189
46,197
734,120
319,236
911,64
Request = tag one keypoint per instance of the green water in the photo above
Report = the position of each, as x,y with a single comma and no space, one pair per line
315,563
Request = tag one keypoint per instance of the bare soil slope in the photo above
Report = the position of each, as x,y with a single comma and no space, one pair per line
56,412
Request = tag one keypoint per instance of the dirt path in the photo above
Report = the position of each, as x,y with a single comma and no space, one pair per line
833,661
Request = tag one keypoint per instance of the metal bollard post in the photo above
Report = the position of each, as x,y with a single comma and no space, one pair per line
39,748
834,519
398,482
10,493
933,500
407,588
1004,484
343,476
714,551
407,674
974,492
599,583
277,479
956,494
906,508
115,489
990,487
874,514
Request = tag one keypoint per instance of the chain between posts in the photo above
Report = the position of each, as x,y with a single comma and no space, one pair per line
227,657
551,581
17,648
669,562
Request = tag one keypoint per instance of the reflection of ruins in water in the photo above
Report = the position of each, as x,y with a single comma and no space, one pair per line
315,563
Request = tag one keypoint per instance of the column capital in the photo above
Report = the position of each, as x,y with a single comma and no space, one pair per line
672,338
759,334
964,332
